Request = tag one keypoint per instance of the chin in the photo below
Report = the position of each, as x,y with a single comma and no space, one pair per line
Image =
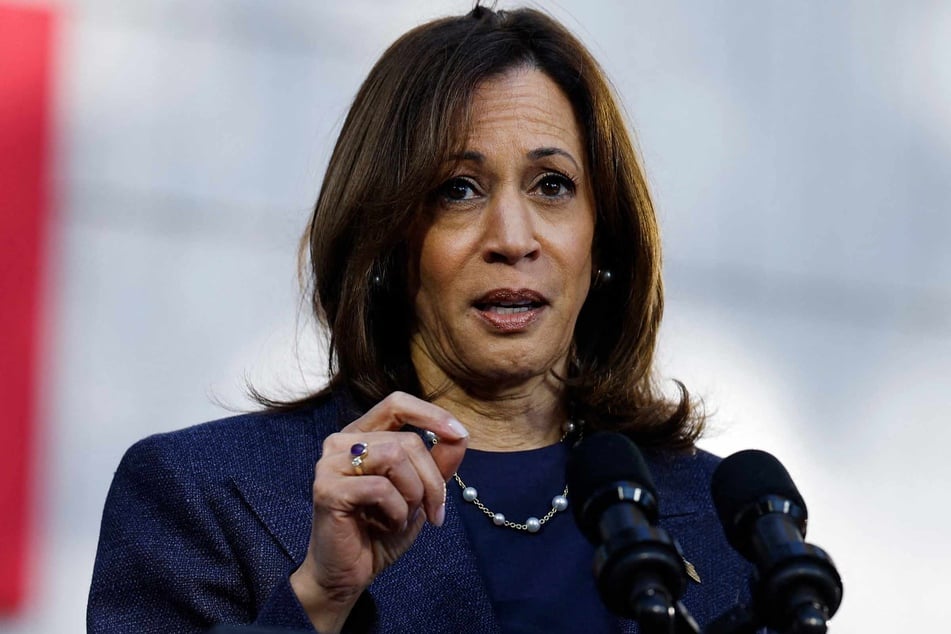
511,371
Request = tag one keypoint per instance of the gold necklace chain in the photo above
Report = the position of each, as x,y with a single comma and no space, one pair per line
532,524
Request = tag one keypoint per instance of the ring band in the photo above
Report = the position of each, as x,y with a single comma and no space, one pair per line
358,452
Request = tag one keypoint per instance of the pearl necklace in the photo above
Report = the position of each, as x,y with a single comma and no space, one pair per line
533,524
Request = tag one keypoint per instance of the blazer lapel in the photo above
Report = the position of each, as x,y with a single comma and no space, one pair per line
286,518
280,498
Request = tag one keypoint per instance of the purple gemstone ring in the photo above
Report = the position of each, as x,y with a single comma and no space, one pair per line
358,454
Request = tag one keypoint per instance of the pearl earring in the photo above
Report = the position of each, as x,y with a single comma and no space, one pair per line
377,277
602,278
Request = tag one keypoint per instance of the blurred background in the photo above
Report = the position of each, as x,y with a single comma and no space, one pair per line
800,156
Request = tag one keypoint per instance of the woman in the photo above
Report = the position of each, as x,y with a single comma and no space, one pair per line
485,256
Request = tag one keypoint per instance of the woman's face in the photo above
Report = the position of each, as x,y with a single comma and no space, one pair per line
505,260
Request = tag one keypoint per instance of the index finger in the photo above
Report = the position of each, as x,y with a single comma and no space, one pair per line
400,409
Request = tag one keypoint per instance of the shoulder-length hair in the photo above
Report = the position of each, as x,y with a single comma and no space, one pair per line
408,118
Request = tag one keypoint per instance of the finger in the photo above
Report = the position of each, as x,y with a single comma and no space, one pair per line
426,465
446,455
367,498
391,456
399,409
401,456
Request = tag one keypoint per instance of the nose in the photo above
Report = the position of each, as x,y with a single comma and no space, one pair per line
510,230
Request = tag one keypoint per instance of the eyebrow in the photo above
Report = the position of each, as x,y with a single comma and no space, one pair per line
469,155
543,152
538,153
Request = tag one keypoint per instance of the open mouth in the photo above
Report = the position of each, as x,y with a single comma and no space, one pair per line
506,300
510,310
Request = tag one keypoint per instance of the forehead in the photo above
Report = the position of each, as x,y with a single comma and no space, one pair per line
521,106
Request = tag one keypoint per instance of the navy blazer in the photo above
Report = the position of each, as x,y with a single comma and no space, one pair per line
204,526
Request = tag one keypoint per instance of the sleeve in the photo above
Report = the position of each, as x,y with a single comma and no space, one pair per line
164,562
282,608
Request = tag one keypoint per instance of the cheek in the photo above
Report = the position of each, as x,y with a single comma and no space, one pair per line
579,251
437,273
435,258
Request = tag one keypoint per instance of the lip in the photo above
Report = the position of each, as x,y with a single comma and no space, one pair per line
510,310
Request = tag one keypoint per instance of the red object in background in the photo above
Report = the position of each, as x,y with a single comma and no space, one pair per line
25,124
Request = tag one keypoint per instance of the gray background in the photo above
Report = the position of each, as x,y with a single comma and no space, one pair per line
799,153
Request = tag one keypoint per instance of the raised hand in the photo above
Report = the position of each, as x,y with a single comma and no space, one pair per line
366,517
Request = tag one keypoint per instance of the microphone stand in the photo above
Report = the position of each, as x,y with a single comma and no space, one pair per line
655,614
640,573
810,617
684,623
795,590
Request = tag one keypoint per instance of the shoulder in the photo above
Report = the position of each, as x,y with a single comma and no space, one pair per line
265,433
269,445
683,478
201,523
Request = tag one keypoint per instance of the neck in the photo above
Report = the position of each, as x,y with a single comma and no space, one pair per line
514,422
504,414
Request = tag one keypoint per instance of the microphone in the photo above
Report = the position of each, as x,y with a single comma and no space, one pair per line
639,569
796,587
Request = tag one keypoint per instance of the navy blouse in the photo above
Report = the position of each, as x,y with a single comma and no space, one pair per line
537,582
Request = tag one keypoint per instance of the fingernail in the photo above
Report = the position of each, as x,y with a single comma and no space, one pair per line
458,429
440,515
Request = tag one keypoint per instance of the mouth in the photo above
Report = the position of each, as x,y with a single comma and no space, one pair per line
510,310
506,301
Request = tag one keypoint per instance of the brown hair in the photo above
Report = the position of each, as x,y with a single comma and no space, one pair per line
408,117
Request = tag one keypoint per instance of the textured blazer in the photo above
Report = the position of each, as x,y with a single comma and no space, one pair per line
204,526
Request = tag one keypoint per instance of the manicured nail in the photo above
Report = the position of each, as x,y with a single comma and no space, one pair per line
458,429
440,515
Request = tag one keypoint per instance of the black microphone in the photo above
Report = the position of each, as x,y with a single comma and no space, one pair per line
639,569
796,587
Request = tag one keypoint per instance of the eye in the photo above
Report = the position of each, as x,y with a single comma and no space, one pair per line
458,189
555,186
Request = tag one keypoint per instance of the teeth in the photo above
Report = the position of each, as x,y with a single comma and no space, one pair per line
509,310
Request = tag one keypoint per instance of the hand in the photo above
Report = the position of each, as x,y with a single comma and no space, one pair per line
363,523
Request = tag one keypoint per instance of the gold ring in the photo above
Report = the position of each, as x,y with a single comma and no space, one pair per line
358,452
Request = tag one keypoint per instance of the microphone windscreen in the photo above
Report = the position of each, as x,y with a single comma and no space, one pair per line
742,480
600,460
